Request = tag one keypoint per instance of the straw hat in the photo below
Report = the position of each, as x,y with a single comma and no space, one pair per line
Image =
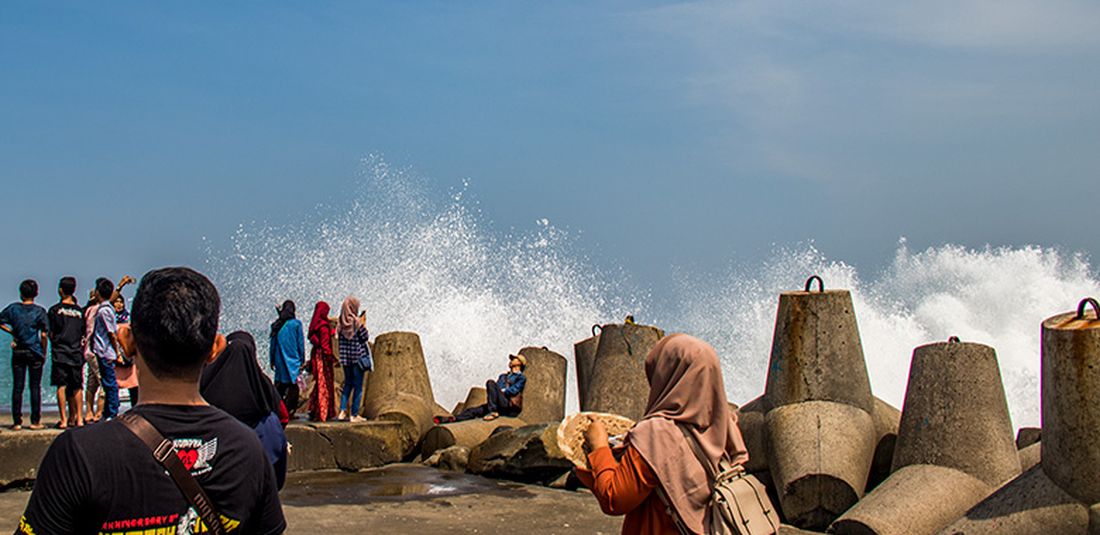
522,359
572,429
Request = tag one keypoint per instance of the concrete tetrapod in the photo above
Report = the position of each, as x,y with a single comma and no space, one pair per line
412,412
750,420
544,393
619,384
816,352
468,433
887,418
1071,414
399,366
819,427
475,397
955,445
584,356
1055,495
1028,505
399,388
819,467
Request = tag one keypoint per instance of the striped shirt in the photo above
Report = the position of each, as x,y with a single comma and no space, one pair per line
352,349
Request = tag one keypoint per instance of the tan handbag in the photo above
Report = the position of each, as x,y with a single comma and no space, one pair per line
739,504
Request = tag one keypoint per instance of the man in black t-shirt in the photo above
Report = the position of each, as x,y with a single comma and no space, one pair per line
67,372
102,478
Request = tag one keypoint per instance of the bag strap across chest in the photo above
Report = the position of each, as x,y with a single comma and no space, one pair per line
165,453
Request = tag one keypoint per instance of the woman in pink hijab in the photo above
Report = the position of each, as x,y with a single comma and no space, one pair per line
685,391
355,357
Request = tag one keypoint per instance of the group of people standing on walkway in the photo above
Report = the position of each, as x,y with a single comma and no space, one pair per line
75,336
342,342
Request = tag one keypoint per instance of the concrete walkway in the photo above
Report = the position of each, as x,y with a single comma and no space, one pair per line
415,499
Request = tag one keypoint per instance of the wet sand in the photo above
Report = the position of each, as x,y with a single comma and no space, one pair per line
414,499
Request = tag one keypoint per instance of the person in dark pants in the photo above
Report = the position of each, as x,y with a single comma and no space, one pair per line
66,337
105,346
287,353
505,395
27,324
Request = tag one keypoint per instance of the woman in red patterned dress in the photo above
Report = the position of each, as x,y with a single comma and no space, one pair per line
321,402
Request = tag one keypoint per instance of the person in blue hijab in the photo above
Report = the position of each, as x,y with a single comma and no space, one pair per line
287,352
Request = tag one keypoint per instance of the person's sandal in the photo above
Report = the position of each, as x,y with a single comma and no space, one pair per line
36,427
16,427
490,417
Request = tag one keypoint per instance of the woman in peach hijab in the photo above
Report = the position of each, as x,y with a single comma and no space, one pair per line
685,391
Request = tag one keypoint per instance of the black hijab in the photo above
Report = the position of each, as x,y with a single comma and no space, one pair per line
235,383
286,313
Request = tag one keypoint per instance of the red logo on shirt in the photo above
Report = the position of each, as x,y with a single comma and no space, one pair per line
195,454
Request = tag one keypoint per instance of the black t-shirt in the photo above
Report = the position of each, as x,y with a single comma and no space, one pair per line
66,332
102,479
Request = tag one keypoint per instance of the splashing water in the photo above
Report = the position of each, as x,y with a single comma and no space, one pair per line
426,267
474,295
995,296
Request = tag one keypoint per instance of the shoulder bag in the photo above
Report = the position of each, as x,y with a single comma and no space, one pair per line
739,504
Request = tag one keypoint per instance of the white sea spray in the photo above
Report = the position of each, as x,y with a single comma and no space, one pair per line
432,264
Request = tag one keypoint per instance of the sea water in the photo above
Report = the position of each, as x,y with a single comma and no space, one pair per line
475,293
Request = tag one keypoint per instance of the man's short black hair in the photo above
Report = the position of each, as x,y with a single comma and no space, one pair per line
67,285
175,321
28,289
104,287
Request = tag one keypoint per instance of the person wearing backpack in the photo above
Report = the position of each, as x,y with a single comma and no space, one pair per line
659,482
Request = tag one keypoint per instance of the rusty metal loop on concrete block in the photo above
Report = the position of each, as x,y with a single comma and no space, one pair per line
953,340
820,283
1088,301
596,329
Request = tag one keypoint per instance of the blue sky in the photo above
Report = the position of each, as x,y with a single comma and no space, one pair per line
661,134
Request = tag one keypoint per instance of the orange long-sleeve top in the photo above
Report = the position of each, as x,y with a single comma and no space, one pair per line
628,487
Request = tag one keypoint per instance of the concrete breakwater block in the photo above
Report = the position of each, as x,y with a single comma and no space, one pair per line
325,446
467,434
918,498
816,352
1027,436
584,357
544,393
1070,411
887,419
1031,504
528,454
750,420
399,389
412,413
820,455
955,427
22,451
618,382
956,414
477,396
1031,456
399,366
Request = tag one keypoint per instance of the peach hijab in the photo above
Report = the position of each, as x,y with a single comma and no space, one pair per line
685,388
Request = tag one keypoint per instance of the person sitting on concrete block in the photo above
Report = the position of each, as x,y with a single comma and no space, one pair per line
505,395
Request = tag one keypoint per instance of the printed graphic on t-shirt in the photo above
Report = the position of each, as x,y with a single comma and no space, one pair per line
188,523
195,454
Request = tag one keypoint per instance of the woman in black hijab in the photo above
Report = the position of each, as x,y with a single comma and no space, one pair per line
235,384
